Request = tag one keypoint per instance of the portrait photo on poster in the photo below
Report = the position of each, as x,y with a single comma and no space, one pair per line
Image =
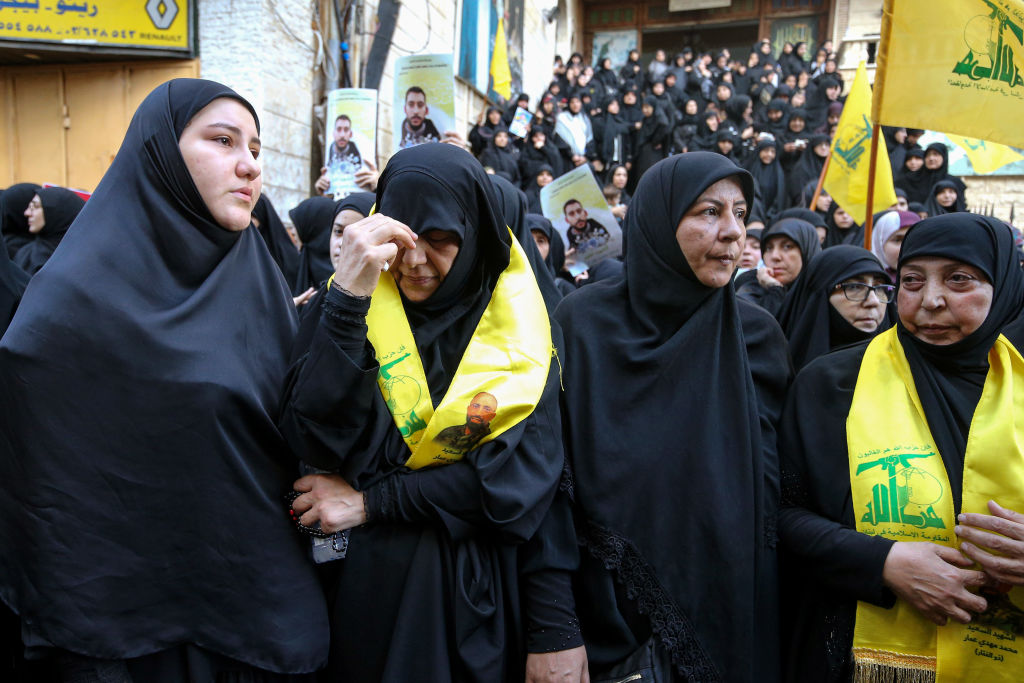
575,205
351,140
425,87
479,413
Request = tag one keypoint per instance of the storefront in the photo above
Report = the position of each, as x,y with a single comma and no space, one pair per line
612,28
72,74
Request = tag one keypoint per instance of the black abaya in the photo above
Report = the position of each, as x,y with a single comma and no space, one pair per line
14,225
463,558
313,219
829,565
637,447
279,244
60,207
141,468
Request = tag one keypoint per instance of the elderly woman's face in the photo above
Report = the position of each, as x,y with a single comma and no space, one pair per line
711,233
865,315
221,147
941,301
421,270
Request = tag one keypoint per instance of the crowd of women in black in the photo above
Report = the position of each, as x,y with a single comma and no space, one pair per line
512,477
772,114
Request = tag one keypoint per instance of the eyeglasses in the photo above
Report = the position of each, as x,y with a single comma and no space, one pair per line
858,291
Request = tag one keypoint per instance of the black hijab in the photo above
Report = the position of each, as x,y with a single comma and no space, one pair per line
949,379
555,259
513,204
12,285
801,231
60,207
280,245
915,183
504,160
638,444
142,374
812,325
769,178
807,168
13,202
932,205
836,235
312,219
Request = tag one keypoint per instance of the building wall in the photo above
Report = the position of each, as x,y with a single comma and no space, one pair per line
264,49
432,26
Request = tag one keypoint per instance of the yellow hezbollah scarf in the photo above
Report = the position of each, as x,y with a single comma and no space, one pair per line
498,382
901,491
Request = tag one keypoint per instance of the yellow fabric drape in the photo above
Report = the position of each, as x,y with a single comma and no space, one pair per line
901,491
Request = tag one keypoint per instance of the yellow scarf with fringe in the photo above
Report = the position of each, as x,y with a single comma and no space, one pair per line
901,491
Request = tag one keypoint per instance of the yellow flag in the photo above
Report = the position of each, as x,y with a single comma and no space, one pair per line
952,66
985,156
501,76
847,176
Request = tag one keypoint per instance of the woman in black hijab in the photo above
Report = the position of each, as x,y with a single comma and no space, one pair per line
538,151
312,219
787,246
650,147
50,214
764,166
841,228
912,177
501,156
483,132
807,168
945,197
142,535
13,202
839,299
554,257
451,550
940,352
271,229
13,281
673,321
936,166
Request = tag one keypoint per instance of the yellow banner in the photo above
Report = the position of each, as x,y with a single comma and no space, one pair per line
952,66
146,24
985,156
847,177
501,75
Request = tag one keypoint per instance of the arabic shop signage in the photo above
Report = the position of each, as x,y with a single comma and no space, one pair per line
134,24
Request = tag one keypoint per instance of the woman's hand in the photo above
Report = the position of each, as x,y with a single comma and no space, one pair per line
974,529
929,577
619,211
301,299
564,666
328,499
764,277
323,183
366,177
368,247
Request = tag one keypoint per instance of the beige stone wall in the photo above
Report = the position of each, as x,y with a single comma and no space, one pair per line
268,58
999,192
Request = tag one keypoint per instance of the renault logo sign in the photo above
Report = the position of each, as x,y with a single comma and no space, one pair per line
162,12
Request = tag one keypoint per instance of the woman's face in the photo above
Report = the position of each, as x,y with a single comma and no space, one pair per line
725,146
902,203
620,177
821,149
767,155
345,218
541,240
712,121
691,107
500,139
946,197
865,315
34,214
798,99
539,138
822,234
842,219
824,201
629,98
796,124
658,88
915,163
613,106
751,254
421,270
802,79
783,258
543,178
801,49
494,117
221,148
647,109
941,301
932,160
711,233
891,248
659,55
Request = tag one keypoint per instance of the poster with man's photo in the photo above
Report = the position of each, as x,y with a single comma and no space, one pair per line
424,103
575,205
351,144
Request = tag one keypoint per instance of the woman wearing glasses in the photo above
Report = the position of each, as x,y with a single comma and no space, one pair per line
840,299
901,459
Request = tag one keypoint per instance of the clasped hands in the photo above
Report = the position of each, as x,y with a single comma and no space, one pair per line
935,579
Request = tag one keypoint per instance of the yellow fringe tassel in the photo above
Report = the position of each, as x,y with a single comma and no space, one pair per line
880,666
